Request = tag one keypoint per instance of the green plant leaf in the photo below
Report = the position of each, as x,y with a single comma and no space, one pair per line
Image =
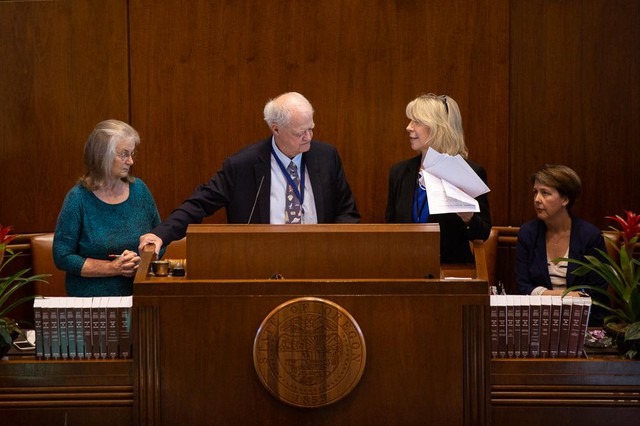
632,332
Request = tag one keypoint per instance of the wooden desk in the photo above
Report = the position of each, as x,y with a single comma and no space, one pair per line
322,251
426,343
426,339
523,392
565,392
99,393
427,363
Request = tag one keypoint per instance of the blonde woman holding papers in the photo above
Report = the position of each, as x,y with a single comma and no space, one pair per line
435,122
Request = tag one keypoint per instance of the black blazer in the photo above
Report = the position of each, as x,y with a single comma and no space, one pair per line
454,235
235,187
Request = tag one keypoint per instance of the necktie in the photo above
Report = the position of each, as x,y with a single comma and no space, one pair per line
293,209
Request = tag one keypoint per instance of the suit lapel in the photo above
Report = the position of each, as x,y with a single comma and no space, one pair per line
313,167
408,186
263,168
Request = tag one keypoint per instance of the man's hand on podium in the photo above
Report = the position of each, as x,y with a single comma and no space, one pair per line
150,239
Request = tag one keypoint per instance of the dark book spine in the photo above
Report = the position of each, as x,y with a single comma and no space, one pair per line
77,313
525,329
534,322
95,327
586,311
71,330
37,323
517,327
502,327
62,322
565,325
574,330
46,329
124,327
510,326
545,325
112,327
493,319
103,328
54,325
87,323
554,333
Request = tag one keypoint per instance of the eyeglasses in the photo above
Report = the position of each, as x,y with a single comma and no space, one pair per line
126,154
444,100
300,135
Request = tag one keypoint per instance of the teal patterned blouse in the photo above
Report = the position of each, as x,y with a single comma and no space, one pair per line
90,228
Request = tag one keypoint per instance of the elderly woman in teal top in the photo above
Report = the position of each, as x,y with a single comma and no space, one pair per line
103,216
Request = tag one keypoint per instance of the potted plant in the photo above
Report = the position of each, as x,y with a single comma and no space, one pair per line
623,276
9,327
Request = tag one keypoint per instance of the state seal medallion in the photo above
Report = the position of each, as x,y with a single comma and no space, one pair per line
309,352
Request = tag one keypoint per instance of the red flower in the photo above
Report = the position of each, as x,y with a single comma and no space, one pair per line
630,228
4,238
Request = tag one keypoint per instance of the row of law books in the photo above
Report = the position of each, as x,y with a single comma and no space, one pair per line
538,326
82,327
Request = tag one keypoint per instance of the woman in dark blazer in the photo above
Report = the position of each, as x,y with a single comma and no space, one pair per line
556,233
435,122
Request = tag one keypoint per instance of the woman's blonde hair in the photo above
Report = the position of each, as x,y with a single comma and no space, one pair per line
442,116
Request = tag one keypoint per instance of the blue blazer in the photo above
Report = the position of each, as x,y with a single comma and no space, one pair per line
531,258
235,187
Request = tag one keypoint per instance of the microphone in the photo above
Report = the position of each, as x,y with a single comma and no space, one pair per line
256,200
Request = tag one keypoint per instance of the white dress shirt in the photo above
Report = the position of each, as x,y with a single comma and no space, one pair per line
279,189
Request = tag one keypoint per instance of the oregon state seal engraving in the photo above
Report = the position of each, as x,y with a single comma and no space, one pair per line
309,352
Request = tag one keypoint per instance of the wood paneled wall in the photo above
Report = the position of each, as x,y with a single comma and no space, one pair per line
575,100
63,68
202,72
537,81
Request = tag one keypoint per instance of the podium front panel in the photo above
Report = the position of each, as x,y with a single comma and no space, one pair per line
426,352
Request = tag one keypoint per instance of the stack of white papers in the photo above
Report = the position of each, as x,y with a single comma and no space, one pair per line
451,184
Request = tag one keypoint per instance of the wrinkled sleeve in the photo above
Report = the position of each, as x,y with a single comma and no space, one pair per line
67,236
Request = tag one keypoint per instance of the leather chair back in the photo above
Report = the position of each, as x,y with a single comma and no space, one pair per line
42,263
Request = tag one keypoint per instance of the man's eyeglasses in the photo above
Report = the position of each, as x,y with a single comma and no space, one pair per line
300,135
126,154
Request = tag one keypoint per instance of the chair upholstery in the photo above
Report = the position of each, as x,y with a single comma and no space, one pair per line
42,263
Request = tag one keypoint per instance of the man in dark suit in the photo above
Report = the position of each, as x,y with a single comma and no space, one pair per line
255,187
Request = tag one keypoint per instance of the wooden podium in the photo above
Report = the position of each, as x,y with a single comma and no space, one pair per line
195,337
313,251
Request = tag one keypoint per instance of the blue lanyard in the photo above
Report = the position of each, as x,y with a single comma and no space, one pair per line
298,191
